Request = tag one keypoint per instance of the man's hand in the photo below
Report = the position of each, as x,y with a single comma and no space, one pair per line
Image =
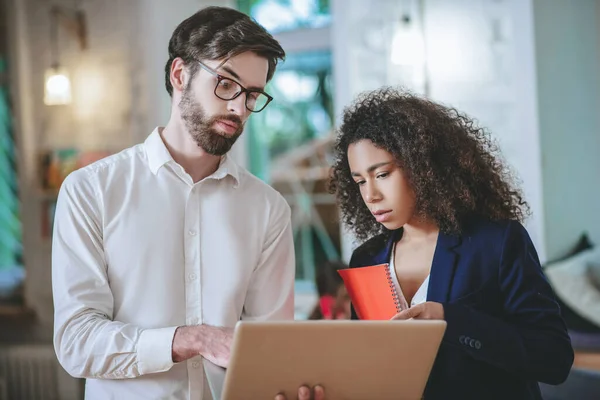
304,394
215,344
211,342
427,310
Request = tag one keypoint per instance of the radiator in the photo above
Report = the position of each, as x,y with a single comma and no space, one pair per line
32,372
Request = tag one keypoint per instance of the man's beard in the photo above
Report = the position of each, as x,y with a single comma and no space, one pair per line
201,128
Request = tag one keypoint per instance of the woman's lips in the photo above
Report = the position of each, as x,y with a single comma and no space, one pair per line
382,215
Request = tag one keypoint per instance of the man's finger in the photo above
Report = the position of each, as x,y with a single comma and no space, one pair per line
280,397
319,393
304,393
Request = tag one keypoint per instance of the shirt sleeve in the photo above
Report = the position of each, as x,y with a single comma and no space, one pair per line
270,295
87,341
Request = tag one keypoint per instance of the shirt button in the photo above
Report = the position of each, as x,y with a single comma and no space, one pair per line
195,364
192,233
192,276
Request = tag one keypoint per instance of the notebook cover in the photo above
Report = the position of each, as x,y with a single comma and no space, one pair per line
371,291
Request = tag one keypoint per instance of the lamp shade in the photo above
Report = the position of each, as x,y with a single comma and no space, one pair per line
57,87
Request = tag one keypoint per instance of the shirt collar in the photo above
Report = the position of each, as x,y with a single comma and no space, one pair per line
156,151
158,155
227,167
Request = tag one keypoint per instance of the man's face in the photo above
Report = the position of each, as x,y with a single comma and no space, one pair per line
213,123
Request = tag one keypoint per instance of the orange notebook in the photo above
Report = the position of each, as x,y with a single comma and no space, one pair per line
372,291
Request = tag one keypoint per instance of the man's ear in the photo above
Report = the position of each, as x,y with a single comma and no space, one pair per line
178,74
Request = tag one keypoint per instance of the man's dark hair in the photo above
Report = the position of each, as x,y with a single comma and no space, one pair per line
215,33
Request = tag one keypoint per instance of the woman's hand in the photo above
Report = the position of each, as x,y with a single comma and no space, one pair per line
427,310
304,393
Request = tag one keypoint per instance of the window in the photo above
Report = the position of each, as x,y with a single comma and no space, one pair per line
289,142
289,148
302,110
286,15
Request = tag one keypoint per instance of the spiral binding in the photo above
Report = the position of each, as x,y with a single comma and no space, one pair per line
393,289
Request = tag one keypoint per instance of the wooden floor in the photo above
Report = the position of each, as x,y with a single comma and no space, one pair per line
584,360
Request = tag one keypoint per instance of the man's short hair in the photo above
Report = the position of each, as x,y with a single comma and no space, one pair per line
215,33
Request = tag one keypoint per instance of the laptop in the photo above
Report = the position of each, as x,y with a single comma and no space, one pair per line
373,360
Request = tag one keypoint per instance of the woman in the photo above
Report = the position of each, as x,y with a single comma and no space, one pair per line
422,186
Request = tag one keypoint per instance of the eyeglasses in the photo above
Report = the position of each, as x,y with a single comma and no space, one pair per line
228,89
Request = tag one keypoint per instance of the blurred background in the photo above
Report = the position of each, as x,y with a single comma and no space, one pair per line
81,79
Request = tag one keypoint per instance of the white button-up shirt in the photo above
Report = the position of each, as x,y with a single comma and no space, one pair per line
139,249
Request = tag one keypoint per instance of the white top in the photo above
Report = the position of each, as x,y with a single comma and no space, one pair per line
421,294
139,249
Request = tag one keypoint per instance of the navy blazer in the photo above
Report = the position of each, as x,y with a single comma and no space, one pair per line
504,329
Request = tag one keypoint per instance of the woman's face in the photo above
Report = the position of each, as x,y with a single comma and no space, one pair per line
383,184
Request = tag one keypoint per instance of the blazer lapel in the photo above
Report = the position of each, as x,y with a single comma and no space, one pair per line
442,268
383,257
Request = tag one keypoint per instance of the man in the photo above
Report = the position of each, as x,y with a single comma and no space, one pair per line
159,250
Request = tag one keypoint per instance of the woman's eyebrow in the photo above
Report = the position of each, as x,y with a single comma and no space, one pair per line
372,167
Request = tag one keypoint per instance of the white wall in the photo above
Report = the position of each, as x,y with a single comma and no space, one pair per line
361,58
568,78
118,96
526,69
101,76
100,117
479,59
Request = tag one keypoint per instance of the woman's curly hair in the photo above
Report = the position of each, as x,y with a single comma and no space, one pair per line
452,164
